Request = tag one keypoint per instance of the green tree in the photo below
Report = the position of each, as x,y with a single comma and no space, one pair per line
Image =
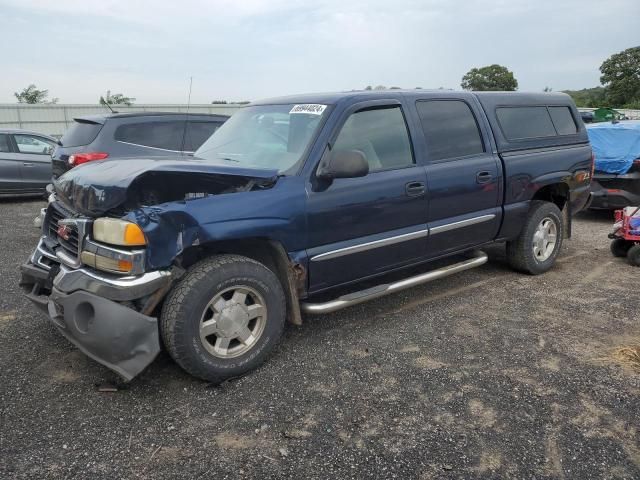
493,77
31,94
621,77
588,97
116,99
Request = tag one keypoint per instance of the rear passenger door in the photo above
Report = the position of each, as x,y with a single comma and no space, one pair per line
463,176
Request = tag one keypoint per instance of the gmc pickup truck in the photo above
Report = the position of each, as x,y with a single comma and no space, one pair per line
292,200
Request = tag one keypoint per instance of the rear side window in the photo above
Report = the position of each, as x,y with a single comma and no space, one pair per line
163,135
519,123
450,129
80,133
33,144
4,143
197,133
563,120
381,135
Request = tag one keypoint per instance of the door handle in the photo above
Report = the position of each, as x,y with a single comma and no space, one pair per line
27,164
415,189
483,177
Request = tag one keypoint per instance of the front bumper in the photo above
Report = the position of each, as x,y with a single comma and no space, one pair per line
84,306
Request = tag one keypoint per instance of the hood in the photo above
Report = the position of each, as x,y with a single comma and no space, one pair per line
124,184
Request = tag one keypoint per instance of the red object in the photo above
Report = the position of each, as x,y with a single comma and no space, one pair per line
80,158
624,229
64,232
593,163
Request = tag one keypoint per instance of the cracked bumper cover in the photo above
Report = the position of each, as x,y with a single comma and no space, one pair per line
83,306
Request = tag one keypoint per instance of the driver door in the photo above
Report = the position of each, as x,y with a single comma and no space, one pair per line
360,227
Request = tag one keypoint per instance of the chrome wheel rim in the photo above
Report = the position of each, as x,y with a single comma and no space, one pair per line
233,321
545,239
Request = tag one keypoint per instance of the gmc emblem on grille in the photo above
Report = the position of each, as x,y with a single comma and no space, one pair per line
64,231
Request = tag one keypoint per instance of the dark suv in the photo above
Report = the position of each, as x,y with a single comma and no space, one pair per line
162,134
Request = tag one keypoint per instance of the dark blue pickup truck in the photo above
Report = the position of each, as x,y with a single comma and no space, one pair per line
292,200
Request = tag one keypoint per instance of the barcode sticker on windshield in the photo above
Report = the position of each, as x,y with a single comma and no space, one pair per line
310,108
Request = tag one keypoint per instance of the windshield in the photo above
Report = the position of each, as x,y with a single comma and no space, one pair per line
265,136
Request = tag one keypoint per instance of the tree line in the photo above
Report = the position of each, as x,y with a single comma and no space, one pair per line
620,85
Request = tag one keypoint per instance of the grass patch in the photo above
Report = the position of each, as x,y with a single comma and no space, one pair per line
628,356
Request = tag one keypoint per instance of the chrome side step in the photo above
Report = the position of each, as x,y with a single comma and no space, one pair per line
478,258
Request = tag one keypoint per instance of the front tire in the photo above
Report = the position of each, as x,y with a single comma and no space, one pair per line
535,250
223,318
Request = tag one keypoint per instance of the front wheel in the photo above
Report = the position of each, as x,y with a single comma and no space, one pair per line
535,250
224,317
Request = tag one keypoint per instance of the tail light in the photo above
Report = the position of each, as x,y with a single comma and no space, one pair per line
593,163
80,158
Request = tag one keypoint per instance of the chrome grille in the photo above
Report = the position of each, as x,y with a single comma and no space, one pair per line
70,246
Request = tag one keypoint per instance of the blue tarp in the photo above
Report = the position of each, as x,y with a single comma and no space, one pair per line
615,145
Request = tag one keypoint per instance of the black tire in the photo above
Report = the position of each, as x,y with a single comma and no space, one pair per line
183,308
633,256
620,247
520,251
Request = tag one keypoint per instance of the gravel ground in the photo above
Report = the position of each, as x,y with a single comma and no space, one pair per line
487,374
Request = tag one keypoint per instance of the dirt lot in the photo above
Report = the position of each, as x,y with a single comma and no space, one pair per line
488,374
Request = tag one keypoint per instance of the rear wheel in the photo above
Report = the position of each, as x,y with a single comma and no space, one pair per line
535,250
224,317
620,247
633,255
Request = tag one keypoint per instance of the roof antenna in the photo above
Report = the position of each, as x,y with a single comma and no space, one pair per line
186,124
105,101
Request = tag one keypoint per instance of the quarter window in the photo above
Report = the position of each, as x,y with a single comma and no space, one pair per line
381,135
197,133
563,120
31,144
163,135
519,123
450,129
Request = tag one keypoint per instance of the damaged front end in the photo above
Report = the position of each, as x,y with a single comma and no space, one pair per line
93,272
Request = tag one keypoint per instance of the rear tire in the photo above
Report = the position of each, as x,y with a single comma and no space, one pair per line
620,247
535,250
223,318
633,256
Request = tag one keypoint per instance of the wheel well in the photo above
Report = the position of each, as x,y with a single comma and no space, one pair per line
557,193
271,254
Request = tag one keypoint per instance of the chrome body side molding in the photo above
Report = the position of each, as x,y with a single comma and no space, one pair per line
478,258
462,223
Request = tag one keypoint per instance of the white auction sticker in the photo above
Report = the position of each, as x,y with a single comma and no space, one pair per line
310,108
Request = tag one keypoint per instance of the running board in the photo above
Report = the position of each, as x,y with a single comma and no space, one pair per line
478,258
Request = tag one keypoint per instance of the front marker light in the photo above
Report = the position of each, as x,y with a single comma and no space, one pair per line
118,232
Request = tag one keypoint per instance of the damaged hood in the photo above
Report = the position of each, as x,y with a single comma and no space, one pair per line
98,187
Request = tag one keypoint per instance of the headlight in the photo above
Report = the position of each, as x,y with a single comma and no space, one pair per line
118,232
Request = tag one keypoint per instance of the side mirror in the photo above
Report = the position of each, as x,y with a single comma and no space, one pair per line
343,164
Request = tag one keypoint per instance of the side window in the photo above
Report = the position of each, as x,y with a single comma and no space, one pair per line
519,123
163,135
32,144
197,133
563,120
450,129
4,143
381,135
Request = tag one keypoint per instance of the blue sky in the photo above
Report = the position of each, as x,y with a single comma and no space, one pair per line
249,49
